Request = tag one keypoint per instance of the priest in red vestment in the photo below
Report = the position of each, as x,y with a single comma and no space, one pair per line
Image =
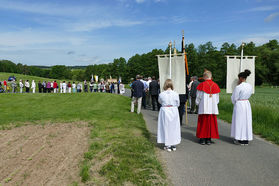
207,99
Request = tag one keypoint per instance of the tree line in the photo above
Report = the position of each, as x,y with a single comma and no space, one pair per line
204,56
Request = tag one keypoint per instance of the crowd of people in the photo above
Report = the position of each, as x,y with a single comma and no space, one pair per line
204,99
62,87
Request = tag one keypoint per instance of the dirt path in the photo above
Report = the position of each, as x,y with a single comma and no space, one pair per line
42,155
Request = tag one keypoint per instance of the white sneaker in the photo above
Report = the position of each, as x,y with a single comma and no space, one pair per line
173,148
167,148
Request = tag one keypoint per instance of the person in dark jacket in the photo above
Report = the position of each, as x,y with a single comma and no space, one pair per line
138,88
40,87
193,94
154,92
181,109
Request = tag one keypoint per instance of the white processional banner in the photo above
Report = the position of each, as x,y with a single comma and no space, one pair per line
177,71
233,69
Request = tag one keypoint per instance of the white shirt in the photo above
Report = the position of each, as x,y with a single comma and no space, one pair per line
27,84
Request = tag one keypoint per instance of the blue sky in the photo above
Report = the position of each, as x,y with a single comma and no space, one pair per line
83,32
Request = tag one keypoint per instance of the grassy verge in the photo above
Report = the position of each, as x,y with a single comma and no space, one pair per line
120,151
265,106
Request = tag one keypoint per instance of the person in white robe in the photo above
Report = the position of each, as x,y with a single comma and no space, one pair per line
241,128
168,119
61,87
33,86
64,87
21,86
122,88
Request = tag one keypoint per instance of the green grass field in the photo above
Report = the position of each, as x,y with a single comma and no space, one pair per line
265,106
119,140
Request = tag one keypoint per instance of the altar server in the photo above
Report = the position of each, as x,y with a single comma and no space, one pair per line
33,86
168,120
241,128
207,99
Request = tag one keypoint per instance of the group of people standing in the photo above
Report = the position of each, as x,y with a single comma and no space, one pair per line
204,102
65,87
144,92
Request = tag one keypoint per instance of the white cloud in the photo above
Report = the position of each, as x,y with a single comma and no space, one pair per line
260,38
29,37
98,24
51,8
271,17
260,9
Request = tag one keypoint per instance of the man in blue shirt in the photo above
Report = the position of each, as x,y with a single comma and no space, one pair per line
145,85
138,89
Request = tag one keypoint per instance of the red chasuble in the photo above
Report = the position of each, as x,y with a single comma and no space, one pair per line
207,123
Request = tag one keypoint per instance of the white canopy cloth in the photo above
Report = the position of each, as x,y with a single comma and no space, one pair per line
177,71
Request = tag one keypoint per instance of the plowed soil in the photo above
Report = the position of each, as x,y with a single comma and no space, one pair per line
42,155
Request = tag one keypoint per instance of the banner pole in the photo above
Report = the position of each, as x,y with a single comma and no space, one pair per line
170,58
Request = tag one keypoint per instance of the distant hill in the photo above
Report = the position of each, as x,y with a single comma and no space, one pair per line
5,76
49,67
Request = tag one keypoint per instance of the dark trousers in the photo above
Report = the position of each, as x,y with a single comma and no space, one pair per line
155,101
27,89
144,100
194,107
91,89
40,90
132,93
181,111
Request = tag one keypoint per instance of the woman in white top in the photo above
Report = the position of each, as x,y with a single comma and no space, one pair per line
64,87
21,86
74,86
27,86
241,128
168,120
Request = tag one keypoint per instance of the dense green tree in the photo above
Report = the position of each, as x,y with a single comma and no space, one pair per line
60,72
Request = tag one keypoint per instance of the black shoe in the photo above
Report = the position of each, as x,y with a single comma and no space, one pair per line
208,141
202,141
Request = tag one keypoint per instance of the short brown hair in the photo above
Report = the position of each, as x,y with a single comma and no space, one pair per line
168,84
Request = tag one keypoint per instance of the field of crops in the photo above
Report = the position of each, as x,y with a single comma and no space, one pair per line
265,107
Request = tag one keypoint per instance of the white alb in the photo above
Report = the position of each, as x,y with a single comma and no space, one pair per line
168,119
241,128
